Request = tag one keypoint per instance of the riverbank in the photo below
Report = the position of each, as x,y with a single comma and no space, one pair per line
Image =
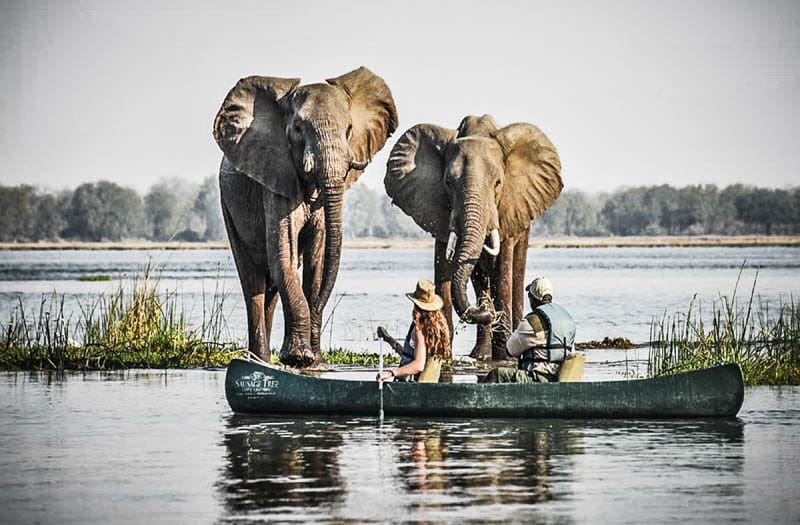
371,243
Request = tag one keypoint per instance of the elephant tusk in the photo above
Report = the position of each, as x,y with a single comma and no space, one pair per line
358,164
451,246
493,248
308,162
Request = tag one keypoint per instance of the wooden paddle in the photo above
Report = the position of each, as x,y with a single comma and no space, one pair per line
380,381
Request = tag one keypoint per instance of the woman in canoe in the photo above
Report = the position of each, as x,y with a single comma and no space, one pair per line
427,342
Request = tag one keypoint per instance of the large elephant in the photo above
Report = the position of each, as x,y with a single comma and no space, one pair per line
476,190
290,152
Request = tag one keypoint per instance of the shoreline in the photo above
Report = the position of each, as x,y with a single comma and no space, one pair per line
546,242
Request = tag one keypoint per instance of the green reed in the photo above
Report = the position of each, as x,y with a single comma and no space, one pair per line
342,356
133,326
764,341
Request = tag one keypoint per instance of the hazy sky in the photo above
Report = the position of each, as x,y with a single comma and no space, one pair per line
630,92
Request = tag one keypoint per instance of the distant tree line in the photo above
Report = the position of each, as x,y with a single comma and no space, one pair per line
172,209
664,210
175,209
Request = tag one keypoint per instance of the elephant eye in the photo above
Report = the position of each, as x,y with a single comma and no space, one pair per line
349,132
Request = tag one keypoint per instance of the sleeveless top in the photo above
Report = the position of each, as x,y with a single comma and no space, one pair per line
433,365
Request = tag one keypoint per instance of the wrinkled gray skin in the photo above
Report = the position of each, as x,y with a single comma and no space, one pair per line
463,185
290,152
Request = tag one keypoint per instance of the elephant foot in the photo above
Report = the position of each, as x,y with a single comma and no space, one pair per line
299,354
262,353
480,353
499,352
499,339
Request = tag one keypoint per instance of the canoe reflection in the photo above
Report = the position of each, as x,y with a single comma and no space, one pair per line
280,463
279,466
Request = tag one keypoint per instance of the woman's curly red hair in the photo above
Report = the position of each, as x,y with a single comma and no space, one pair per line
437,334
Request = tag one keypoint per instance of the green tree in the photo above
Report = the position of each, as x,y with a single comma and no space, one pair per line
105,211
796,208
685,210
49,218
572,213
630,212
170,206
362,217
766,208
701,208
160,207
664,201
207,206
17,213
726,218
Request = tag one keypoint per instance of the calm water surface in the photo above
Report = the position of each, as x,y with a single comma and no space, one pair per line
610,291
144,446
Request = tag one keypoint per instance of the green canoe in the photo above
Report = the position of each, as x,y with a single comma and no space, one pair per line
253,388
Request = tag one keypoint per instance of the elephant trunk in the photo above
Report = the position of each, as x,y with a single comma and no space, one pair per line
332,177
469,250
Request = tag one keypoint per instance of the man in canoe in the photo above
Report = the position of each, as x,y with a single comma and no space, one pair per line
541,342
427,342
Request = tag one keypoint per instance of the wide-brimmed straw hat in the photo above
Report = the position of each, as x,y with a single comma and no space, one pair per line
425,296
540,287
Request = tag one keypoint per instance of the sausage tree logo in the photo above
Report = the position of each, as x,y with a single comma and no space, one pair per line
257,383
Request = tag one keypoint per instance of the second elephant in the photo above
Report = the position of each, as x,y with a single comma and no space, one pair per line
476,189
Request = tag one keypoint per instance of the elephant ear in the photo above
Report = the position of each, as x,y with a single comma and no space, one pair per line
533,176
415,177
373,114
250,129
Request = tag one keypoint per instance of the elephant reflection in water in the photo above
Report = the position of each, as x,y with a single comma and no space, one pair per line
476,190
267,469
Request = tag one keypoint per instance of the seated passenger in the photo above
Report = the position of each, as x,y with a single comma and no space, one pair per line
541,342
427,342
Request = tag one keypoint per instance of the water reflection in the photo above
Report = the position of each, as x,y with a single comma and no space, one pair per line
307,468
281,464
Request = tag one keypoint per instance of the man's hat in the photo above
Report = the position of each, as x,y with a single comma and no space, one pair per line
540,287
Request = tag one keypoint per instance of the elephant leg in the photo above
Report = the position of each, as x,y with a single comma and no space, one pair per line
443,273
518,278
282,252
483,341
270,303
313,243
502,295
252,276
257,332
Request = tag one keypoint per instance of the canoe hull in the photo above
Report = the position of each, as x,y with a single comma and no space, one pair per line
252,388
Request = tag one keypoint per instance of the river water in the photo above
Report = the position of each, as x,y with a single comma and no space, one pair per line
613,292
142,446
145,446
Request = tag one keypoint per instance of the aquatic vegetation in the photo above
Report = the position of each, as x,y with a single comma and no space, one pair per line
764,341
342,356
621,343
134,326
94,278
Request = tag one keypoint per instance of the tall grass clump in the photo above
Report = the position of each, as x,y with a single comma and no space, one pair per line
763,341
134,326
